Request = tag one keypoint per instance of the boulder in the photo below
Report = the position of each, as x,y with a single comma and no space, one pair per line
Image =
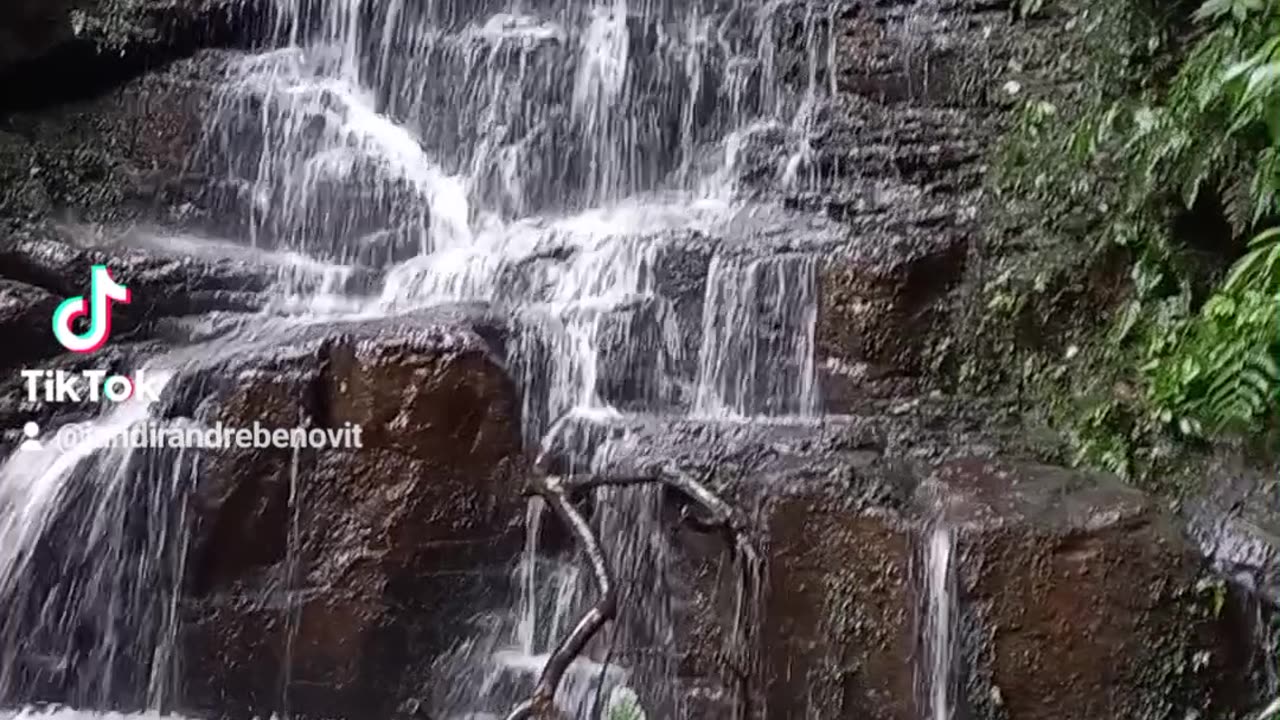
326,582
1077,597
1081,598
1049,621
824,497
1236,523
162,284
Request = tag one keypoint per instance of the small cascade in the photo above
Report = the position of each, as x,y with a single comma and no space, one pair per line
643,639
935,672
758,329
293,579
94,541
492,672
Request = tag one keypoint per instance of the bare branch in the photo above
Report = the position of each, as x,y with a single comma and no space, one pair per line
719,515
542,703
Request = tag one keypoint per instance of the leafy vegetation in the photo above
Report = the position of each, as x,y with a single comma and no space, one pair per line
624,705
1171,162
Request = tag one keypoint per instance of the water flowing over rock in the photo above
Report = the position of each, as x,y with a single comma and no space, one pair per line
508,237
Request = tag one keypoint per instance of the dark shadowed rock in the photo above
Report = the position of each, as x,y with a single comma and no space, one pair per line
162,284
30,28
26,313
336,601
120,155
61,50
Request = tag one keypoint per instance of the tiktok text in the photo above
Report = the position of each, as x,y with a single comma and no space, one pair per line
60,386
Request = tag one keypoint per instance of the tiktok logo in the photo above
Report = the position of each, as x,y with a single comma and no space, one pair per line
102,292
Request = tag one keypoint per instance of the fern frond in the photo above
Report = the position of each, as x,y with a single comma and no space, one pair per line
1243,381
1259,269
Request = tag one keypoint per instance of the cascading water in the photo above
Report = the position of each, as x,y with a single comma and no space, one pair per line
757,337
935,673
88,534
543,157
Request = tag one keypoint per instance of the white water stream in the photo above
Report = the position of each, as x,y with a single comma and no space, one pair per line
937,684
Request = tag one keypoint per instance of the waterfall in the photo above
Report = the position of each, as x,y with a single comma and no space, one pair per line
541,157
936,682
758,331
92,547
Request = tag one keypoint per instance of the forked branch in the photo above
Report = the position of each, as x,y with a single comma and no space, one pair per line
558,491
542,703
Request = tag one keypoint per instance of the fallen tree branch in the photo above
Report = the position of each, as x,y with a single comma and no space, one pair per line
541,704
720,515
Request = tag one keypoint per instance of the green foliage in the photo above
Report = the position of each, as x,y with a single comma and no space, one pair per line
1139,165
624,705
1217,372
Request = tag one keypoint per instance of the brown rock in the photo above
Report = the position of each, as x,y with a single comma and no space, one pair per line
1087,597
881,306
838,634
1078,596
335,603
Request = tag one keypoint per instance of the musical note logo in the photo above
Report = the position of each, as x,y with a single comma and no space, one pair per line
102,292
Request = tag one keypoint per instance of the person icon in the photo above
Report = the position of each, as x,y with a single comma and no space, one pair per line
32,433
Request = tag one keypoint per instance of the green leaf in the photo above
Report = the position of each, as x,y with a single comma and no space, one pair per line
1212,9
1265,237
1238,70
1263,80
1259,267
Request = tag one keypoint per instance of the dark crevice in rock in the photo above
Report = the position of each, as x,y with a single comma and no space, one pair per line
87,65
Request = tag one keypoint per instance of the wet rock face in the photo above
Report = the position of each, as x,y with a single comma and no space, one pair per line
334,602
1078,596
901,164
25,313
1078,588
838,636
882,303
120,156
